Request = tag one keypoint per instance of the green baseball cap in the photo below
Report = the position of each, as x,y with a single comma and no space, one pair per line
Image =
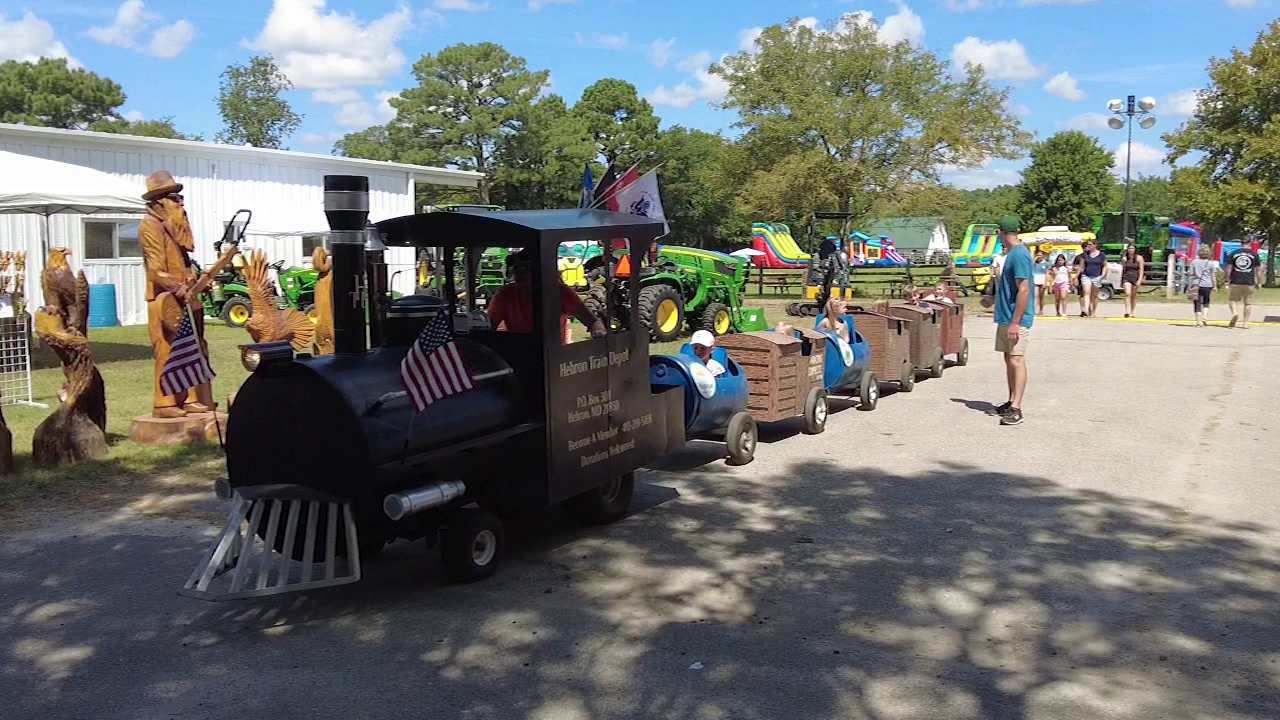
1010,223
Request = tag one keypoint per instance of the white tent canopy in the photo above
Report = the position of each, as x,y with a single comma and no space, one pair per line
46,187
36,186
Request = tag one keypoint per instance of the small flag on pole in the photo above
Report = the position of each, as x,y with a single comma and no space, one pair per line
186,367
434,368
588,188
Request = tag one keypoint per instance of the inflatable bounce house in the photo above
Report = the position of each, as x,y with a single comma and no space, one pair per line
1184,240
981,242
778,249
1223,248
868,251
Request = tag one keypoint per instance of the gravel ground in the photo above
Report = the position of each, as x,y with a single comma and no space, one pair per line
1113,557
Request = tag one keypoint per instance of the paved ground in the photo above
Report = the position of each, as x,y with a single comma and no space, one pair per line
1115,557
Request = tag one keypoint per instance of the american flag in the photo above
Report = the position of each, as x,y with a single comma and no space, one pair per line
434,367
186,366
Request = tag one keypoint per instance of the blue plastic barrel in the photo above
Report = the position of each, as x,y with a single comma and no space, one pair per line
102,306
845,360
709,401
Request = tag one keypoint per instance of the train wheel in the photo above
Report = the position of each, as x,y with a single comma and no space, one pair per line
472,544
605,504
816,411
935,370
962,358
869,391
741,438
907,382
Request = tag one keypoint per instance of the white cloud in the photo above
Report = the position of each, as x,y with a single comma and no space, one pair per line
537,5
170,40
966,5
1146,160
132,21
327,138
29,38
335,96
1183,103
319,50
133,116
747,38
694,62
464,5
359,113
701,86
660,51
1002,59
1243,4
603,40
1065,87
1087,122
902,25
981,178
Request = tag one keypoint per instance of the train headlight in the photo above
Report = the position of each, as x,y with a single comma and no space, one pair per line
260,354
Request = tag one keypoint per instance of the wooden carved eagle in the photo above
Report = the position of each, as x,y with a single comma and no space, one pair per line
59,287
269,323
323,264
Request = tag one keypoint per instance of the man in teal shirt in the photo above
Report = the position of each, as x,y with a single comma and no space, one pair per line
1015,310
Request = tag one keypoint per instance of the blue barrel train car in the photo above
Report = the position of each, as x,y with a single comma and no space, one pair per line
713,405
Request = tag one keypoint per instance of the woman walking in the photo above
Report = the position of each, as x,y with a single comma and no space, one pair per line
1060,280
1092,264
1039,273
1133,271
1204,280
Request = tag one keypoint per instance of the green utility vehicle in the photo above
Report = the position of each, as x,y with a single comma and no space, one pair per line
1150,232
228,295
700,289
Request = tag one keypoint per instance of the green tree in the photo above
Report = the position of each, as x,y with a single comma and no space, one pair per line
698,194
253,112
468,99
1151,193
621,122
1237,180
161,128
540,165
837,118
48,93
1068,182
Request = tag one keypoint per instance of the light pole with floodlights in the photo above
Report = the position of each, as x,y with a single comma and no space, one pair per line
1141,108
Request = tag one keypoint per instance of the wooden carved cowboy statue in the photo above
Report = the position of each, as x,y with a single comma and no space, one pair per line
167,243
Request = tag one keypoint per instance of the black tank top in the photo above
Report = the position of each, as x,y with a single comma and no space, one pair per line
1131,266
1093,266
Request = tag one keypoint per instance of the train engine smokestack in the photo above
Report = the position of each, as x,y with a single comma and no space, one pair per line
346,206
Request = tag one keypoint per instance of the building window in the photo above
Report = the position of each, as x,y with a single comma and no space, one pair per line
111,239
310,243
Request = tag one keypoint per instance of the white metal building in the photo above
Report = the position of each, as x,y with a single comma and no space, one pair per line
284,190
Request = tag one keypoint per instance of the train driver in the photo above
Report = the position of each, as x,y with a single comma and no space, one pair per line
512,306
702,342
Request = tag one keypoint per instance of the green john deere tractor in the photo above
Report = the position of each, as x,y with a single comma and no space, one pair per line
680,287
228,295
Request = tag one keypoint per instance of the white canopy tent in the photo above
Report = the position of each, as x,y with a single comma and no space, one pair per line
36,186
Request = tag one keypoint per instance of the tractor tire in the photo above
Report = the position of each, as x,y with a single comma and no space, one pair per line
596,304
717,319
236,312
661,312
793,309
310,312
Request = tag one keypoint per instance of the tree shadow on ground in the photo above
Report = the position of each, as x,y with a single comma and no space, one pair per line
813,593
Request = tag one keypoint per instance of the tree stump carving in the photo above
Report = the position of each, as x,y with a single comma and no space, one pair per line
76,431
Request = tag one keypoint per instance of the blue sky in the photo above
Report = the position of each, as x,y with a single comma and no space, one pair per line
1064,58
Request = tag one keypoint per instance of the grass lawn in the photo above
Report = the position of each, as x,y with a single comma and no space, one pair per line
123,355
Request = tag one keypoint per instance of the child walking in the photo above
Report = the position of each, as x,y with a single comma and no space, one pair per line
1060,281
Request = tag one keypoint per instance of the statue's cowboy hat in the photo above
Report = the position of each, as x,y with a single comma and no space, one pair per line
160,184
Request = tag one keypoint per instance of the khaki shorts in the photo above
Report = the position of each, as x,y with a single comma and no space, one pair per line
1002,341
1242,293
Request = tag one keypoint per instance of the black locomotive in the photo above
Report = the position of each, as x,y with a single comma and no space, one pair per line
327,457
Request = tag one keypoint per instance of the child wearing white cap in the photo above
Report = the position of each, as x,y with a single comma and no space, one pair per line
702,342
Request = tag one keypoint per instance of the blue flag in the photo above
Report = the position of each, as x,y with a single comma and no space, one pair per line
588,188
